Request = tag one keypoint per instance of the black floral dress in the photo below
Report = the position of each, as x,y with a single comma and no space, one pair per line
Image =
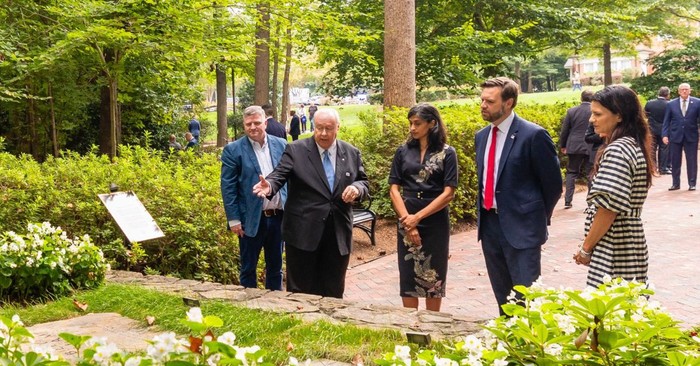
423,269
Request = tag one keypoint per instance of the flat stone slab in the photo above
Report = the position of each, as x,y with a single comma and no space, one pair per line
127,334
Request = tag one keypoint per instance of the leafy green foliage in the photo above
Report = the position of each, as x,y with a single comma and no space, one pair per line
671,68
46,263
180,190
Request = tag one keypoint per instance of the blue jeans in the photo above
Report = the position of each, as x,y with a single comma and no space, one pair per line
269,238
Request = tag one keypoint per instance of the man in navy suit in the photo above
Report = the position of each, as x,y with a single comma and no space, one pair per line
655,110
274,128
681,130
324,176
257,221
519,185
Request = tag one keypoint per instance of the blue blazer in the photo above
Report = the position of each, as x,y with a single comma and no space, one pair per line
676,127
239,173
528,183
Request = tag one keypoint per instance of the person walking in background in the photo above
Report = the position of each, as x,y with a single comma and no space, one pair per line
173,144
195,128
615,244
302,117
519,184
191,141
422,181
655,110
572,142
257,222
294,125
274,128
312,111
594,140
681,131
324,176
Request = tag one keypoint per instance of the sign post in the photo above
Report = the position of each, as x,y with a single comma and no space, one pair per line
131,216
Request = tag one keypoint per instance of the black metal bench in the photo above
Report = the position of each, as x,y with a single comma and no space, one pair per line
364,218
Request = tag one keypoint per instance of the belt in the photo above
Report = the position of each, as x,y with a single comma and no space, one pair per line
272,212
421,194
491,211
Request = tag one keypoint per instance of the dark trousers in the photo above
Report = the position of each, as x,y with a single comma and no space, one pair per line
577,167
269,238
660,153
294,137
691,155
506,265
319,272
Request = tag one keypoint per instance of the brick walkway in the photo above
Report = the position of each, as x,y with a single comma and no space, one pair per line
671,223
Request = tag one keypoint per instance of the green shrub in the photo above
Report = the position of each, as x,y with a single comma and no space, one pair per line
180,190
45,263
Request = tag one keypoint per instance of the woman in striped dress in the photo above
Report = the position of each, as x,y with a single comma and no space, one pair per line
615,245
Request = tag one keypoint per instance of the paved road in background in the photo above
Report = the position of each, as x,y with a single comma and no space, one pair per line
671,224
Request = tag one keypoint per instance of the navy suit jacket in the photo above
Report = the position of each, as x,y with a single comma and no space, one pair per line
310,200
240,171
678,128
528,183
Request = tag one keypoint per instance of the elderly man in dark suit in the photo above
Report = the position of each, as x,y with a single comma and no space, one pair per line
519,185
324,176
681,130
572,142
655,110
256,221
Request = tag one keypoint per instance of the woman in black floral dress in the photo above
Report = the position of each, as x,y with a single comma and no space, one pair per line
423,179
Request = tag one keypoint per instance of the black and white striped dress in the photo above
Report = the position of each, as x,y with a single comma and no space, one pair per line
620,186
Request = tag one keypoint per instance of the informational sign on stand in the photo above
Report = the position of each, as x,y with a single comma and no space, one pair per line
131,216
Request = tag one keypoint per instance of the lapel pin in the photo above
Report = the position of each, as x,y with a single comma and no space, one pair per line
512,137
347,174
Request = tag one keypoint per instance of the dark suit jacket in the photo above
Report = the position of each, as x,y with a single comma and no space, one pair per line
528,183
239,173
275,128
594,140
678,128
294,128
310,200
573,129
655,110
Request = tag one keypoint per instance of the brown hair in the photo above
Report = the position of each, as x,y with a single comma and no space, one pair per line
509,88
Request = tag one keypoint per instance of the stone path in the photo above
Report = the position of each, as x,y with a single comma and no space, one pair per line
672,227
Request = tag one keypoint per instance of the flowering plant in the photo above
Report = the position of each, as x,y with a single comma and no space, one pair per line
45,262
614,324
166,348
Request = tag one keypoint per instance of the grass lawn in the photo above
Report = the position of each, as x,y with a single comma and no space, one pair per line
271,331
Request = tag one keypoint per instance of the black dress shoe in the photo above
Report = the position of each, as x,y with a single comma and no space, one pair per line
666,172
568,205
674,188
691,188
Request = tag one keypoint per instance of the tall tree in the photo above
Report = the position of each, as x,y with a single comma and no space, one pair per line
399,53
262,54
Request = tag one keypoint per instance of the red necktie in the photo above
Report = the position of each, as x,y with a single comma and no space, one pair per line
488,190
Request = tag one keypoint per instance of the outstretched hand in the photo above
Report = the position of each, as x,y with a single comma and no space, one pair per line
262,188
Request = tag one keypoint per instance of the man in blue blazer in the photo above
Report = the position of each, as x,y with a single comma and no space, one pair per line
681,130
324,175
519,185
257,221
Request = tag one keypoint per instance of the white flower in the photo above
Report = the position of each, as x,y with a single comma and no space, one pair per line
403,353
500,362
472,344
133,361
95,341
103,354
227,338
214,359
553,349
444,362
293,361
195,315
45,350
566,323
16,320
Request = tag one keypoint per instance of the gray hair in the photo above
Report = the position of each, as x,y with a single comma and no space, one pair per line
254,110
330,112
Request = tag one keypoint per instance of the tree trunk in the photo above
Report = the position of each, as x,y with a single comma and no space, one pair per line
529,81
399,53
110,125
54,133
31,122
275,68
285,81
516,71
221,108
262,55
607,71
233,92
